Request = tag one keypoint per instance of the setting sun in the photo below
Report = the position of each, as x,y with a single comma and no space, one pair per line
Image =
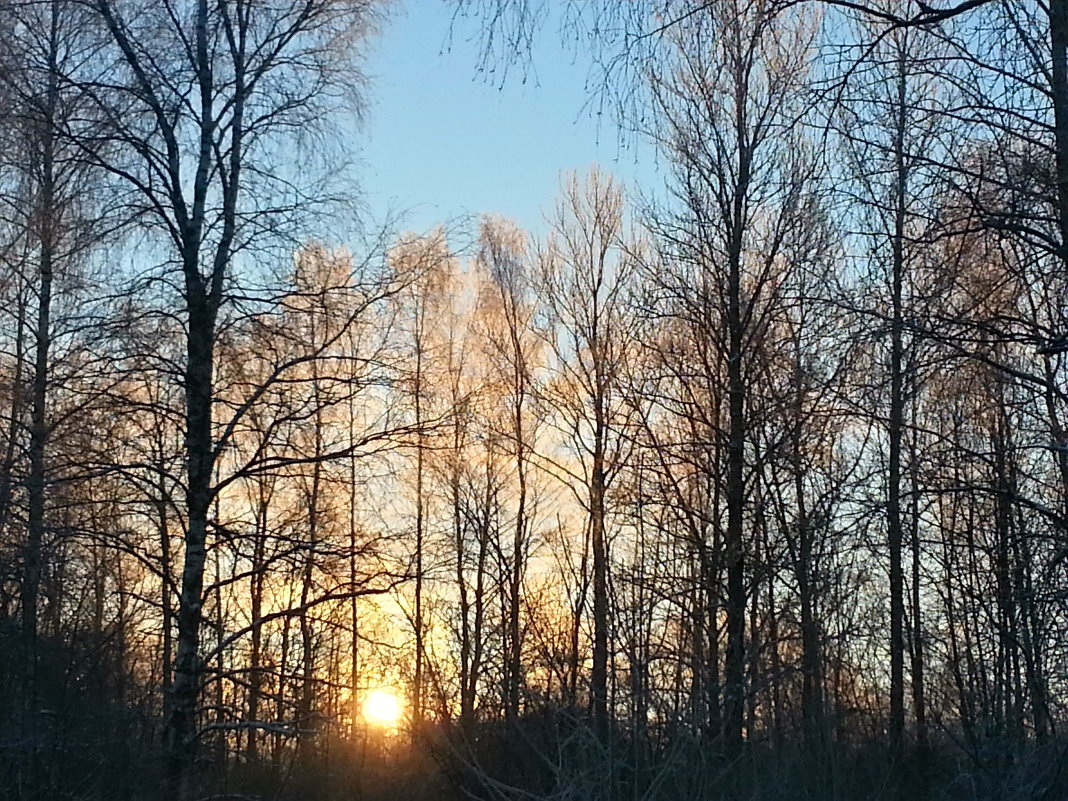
383,708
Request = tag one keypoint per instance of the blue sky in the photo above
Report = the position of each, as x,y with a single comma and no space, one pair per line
441,141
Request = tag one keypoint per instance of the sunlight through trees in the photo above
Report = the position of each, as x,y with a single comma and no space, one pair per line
752,484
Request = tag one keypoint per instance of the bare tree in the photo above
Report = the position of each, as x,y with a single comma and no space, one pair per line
196,167
585,276
509,314
728,101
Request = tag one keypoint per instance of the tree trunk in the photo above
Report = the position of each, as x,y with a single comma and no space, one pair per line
515,651
895,425
735,607
420,523
44,224
307,713
256,587
181,728
599,673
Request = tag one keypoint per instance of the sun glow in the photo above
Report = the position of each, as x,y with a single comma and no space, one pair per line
383,708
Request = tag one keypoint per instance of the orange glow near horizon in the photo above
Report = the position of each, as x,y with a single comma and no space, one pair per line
383,707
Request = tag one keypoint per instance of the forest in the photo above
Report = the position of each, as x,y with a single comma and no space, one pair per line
752,484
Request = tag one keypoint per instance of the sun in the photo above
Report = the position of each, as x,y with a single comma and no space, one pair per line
383,707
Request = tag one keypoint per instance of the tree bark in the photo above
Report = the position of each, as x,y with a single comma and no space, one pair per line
895,424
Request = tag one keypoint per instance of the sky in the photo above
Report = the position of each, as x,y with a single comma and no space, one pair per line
441,140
